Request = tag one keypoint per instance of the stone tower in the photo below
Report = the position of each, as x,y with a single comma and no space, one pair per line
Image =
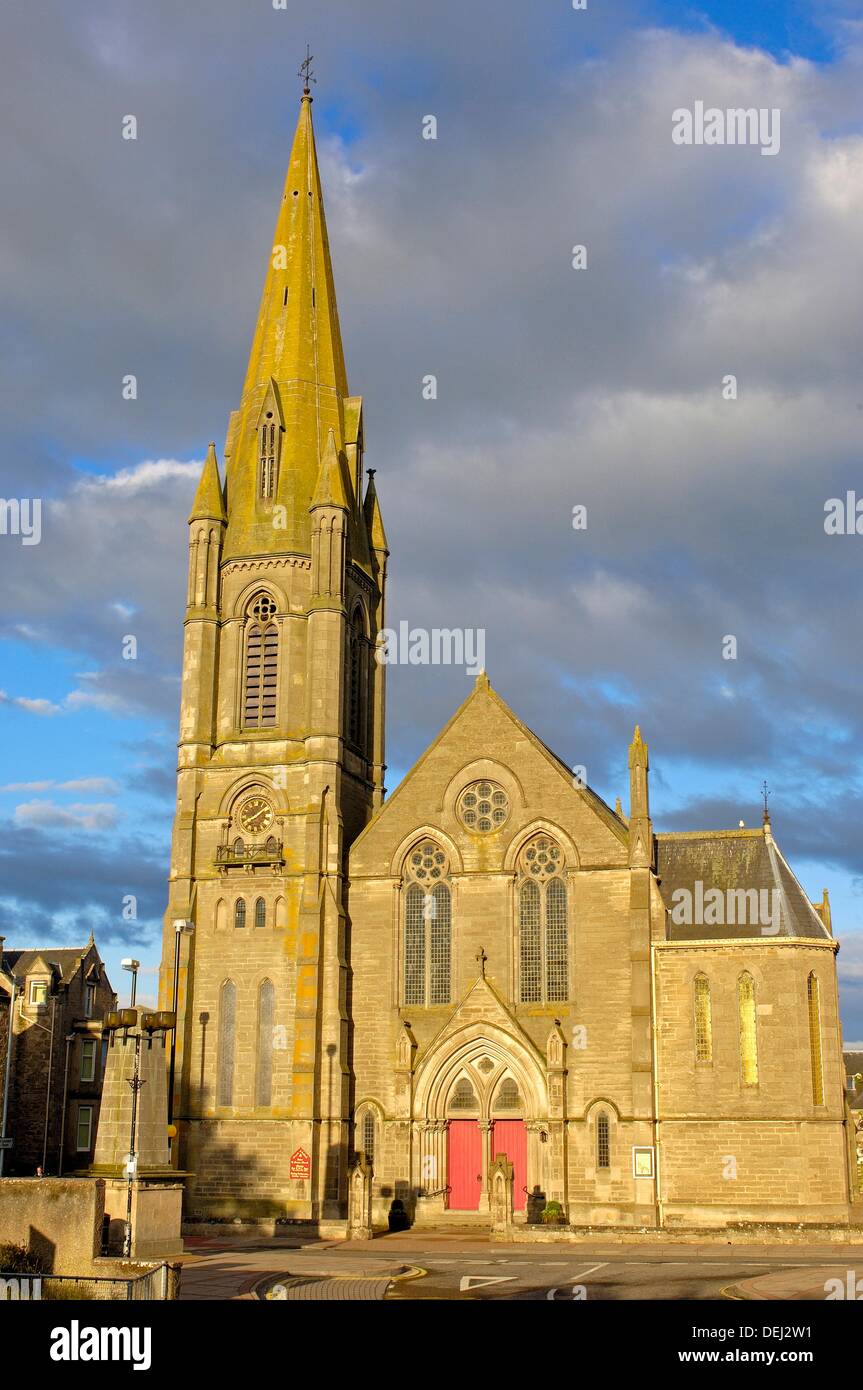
281,750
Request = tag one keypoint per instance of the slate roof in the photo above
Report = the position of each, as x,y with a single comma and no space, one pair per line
64,962
734,860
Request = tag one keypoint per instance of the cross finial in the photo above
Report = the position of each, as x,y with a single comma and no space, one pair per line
481,957
765,792
305,71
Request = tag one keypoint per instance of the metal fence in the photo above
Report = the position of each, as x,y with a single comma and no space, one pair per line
155,1284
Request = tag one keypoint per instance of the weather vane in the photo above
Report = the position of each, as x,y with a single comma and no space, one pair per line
305,70
765,792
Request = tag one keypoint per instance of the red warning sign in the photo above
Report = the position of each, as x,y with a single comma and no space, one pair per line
301,1164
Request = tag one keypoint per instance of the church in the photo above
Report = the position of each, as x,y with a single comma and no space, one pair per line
489,961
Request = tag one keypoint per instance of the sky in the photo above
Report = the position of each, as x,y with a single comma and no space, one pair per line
603,387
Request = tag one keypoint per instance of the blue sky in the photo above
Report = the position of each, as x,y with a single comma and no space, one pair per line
454,258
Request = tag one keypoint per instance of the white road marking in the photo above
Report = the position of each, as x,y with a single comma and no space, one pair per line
577,1278
478,1281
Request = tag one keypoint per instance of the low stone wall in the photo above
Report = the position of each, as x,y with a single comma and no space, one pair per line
300,1230
59,1219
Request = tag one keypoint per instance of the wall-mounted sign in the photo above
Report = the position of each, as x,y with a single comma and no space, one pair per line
301,1164
642,1161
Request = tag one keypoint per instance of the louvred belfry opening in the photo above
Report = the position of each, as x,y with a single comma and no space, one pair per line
262,665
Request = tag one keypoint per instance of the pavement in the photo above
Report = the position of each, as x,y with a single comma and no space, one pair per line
412,1266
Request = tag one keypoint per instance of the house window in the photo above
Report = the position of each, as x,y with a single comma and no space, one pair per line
84,1129
260,913
88,1060
38,992
240,912
427,927
227,1041
813,1000
603,1141
542,924
262,665
703,1020
748,1030
89,1000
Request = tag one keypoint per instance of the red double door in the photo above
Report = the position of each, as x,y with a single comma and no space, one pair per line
465,1161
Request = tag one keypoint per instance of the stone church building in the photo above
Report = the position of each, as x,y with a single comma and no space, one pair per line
491,960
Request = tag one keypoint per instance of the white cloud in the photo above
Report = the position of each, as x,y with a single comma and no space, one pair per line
48,815
104,785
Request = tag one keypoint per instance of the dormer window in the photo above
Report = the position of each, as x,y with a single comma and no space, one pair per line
267,448
38,992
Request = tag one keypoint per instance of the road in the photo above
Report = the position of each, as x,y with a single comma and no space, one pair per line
469,1269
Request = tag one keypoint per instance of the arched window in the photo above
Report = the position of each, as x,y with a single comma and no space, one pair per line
264,1059
703,1020
262,664
415,951
813,1001
260,913
267,453
542,924
555,942
368,1136
239,847
440,944
240,912
427,927
463,1096
357,678
603,1141
748,1030
227,1042
507,1097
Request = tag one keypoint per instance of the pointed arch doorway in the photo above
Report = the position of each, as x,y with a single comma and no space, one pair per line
484,1120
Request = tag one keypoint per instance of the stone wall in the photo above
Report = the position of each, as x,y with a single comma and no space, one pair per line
59,1219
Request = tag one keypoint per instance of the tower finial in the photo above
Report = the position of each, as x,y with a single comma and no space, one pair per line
765,792
305,72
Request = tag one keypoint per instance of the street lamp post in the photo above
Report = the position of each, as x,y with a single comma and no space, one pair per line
136,1083
50,1085
133,966
181,926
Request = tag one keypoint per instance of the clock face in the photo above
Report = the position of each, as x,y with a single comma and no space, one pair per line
256,814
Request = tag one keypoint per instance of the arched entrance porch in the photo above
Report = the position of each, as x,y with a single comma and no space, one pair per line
481,1092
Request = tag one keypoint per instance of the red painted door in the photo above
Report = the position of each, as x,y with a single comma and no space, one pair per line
465,1165
510,1137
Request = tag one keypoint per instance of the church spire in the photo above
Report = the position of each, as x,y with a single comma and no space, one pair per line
297,337
296,373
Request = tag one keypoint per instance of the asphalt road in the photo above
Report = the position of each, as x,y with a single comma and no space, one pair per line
603,1278
471,1270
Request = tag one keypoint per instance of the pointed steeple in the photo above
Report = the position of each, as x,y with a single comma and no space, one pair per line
295,381
297,334
332,489
374,521
641,851
209,504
